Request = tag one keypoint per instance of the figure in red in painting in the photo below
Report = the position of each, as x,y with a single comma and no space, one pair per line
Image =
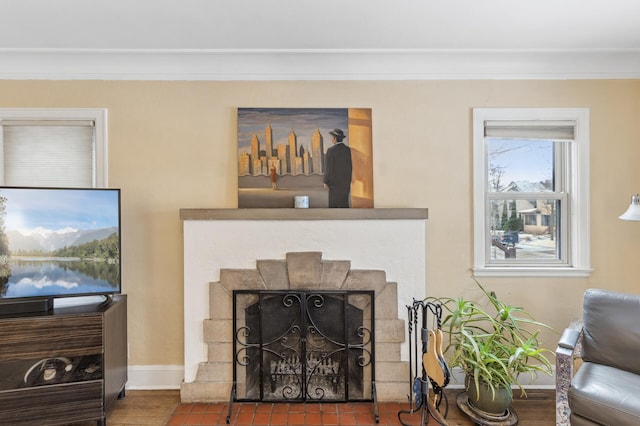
274,177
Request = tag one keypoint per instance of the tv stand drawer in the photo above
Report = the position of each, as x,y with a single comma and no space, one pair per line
55,404
50,335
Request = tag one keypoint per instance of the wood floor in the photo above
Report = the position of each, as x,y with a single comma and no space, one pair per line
160,408
142,408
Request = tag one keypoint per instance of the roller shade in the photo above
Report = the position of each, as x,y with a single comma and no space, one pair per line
547,130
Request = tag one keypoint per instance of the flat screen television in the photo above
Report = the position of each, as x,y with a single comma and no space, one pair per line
57,242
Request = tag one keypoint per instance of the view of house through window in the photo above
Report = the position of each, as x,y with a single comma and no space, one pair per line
524,211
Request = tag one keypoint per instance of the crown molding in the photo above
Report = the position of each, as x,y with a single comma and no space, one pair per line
335,64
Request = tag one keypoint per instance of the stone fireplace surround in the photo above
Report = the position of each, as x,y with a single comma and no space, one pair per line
278,249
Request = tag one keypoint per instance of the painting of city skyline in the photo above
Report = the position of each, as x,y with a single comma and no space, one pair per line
282,153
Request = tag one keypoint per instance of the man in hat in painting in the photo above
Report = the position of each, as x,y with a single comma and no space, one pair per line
338,167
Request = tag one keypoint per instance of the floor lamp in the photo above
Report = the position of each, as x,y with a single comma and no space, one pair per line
633,212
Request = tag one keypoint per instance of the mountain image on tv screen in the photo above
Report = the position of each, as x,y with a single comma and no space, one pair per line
59,242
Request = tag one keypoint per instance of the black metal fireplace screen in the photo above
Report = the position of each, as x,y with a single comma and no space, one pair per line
303,346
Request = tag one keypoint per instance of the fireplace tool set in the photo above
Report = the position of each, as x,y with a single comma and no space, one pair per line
426,365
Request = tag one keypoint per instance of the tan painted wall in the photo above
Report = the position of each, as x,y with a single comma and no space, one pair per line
172,145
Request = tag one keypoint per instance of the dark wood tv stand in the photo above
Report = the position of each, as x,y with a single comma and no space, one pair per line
66,366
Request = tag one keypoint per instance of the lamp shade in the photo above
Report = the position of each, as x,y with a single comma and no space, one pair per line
633,212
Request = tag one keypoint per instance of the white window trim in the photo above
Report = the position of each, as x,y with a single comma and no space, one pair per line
579,192
97,115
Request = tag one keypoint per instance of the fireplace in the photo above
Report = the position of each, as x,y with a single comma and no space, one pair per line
303,346
289,251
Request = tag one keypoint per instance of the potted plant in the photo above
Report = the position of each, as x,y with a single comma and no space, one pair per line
493,343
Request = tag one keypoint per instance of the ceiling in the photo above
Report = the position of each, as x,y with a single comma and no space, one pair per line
221,37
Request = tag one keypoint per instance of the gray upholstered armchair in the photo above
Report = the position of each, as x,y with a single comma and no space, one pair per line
605,389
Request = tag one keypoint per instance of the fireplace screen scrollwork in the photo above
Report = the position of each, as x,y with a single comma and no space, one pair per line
303,346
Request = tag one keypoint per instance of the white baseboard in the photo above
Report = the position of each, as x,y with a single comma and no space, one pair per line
155,377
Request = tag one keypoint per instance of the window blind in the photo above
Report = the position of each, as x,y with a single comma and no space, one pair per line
48,154
547,130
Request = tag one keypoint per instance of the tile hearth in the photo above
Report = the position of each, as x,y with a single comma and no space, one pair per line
264,414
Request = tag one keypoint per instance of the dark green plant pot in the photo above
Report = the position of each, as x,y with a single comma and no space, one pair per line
487,402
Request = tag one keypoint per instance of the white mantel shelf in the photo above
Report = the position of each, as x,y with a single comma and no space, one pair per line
304,214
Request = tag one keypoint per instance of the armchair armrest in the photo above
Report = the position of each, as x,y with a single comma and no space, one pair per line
569,338
569,348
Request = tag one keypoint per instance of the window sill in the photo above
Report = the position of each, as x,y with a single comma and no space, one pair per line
516,271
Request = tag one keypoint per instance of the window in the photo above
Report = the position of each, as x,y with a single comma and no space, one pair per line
531,192
53,147
530,219
546,220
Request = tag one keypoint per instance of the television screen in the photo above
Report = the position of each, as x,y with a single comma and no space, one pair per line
59,242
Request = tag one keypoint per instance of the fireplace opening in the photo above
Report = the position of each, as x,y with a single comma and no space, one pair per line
303,346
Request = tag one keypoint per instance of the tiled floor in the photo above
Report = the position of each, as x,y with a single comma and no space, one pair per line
265,414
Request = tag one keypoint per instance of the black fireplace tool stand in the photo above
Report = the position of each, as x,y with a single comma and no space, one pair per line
419,399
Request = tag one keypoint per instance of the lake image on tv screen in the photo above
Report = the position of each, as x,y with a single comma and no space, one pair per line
59,242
